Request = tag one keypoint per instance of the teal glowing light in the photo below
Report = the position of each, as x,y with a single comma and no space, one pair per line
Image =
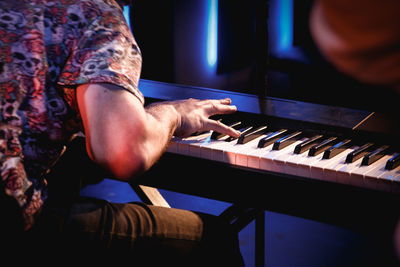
212,32
126,15
285,24
281,27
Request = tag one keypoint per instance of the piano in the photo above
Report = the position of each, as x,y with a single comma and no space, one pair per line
331,164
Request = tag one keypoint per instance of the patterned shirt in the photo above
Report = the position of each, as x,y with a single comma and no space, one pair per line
47,48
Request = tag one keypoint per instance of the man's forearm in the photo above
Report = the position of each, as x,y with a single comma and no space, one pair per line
162,120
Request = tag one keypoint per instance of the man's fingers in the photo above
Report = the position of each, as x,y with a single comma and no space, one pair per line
194,116
219,127
225,101
222,106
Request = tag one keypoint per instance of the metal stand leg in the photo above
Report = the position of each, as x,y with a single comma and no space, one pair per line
239,217
260,240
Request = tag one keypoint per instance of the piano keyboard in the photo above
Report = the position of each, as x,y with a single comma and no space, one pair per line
350,193
282,151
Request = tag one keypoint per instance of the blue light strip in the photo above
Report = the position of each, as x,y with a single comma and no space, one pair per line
212,32
285,25
281,27
126,15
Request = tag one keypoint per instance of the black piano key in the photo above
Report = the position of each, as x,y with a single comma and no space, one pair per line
217,135
393,162
336,149
321,147
374,155
358,153
243,130
286,140
300,148
270,138
252,134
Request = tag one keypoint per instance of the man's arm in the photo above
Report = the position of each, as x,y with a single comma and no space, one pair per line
127,139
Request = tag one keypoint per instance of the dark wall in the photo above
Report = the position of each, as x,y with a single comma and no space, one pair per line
152,26
242,42
168,33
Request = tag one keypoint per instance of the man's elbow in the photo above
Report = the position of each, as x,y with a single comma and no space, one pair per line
125,168
125,160
128,171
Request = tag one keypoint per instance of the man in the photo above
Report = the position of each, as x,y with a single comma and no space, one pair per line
69,66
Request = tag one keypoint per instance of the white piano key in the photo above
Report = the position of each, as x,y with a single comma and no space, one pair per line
291,161
288,162
371,177
392,185
236,154
298,164
359,176
343,170
173,145
215,149
279,162
324,169
242,155
304,165
195,145
182,147
254,157
390,174
380,171
386,182
210,149
229,150
267,159
184,144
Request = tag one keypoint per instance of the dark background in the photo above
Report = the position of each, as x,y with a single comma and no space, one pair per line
165,29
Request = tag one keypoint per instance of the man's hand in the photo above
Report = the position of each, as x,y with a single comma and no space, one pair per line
193,116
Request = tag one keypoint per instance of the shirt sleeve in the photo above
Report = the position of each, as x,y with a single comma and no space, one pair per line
106,52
